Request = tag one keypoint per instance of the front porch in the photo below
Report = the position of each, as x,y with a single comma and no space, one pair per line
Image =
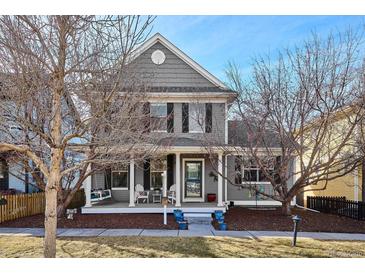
191,175
120,207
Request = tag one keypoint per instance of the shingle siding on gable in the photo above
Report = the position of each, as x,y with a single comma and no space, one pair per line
172,73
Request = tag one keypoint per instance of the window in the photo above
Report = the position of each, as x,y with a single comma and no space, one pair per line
2,170
253,178
196,118
158,166
252,174
158,113
120,179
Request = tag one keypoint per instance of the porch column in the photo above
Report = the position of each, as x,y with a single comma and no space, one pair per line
131,183
87,188
178,180
220,179
225,179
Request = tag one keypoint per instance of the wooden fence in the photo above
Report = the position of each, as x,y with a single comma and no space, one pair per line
338,205
22,205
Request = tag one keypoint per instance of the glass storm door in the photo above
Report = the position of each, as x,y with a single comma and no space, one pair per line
193,179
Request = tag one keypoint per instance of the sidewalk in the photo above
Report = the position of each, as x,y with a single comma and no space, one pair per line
194,231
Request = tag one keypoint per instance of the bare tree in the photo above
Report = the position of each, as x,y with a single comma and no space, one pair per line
299,116
69,103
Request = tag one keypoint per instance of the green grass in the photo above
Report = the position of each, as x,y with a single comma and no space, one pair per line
126,247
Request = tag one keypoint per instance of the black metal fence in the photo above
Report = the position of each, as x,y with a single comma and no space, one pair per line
338,205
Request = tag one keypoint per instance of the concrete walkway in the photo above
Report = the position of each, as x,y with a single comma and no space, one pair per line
195,230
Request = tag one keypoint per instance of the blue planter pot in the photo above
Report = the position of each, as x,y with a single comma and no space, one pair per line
222,226
179,215
183,225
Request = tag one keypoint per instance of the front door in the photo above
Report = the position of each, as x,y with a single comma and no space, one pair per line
193,185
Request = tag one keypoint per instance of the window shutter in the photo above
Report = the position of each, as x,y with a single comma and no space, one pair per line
276,169
4,182
170,117
238,170
170,170
208,117
185,117
146,174
108,178
146,112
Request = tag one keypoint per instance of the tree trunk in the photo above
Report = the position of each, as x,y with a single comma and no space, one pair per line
50,218
61,208
285,208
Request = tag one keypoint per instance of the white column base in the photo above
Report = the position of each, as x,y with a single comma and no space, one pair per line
131,183
87,189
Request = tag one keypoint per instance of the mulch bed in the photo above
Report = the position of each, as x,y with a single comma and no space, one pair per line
141,221
241,218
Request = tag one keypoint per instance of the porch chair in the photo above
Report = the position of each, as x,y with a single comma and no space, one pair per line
140,193
171,195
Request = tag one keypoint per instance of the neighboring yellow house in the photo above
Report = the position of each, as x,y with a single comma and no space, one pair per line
350,186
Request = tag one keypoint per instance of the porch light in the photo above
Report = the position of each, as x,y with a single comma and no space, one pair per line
296,219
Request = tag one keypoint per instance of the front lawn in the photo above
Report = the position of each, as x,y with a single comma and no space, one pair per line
243,218
125,247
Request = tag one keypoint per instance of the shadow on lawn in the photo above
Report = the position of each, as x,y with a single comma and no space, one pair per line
152,247
147,247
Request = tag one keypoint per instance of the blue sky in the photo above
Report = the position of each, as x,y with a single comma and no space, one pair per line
212,41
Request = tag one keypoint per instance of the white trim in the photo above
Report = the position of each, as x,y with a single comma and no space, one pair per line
225,123
263,203
253,202
194,65
184,199
87,188
159,131
188,97
255,183
220,180
195,131
170,209
119,188
131,183
225,178
178,179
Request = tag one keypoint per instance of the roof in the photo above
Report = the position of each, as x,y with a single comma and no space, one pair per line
238,136
181,141
194,65
183,89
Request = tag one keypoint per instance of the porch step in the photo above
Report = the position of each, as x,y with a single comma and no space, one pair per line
198,218
197,214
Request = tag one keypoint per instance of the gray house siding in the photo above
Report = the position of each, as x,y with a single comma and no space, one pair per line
236,193
174,72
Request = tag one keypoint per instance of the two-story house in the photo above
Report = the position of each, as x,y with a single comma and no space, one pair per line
194,105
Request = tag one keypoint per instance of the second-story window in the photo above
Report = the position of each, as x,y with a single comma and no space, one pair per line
158,113
196,118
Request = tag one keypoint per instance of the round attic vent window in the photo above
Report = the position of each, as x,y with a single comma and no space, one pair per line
158,57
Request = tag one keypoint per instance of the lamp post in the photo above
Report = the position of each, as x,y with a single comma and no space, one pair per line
296,219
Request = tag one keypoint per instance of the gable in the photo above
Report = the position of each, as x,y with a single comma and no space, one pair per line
173,72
